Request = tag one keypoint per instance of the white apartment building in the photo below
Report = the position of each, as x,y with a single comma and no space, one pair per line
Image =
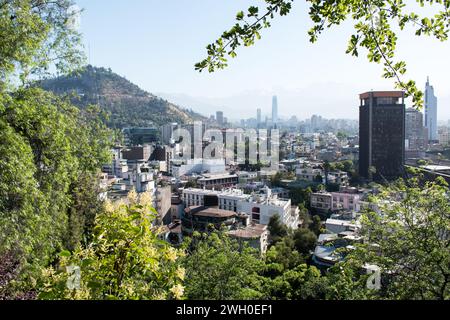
261,207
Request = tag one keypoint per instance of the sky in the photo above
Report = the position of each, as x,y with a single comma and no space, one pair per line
155,44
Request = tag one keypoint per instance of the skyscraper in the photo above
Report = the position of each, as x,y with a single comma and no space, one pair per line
431,112
167,131
275,110
416,133
219,118
258,116
381,134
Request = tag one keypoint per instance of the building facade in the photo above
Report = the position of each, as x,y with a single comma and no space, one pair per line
416,133
431,112
382,134
167,132
321,201
275,110
218,181
219,118
260,207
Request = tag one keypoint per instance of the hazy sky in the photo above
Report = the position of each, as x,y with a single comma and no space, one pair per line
155,44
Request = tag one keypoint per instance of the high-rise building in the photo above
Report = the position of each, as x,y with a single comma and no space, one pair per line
316,123
444,136
431,112
381,134
219,118
167,131
416,133
274,110
258,116
140,135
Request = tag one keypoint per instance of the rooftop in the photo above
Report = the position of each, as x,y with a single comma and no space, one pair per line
382,94
210,212
250,232
217,176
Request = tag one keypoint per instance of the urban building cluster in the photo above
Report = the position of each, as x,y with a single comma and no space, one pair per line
331,159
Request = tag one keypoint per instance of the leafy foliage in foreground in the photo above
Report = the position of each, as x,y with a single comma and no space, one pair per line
50,156
218,268
221,268
125,260
46,145
409,240
35,34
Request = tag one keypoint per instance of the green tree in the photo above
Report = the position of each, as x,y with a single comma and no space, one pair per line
219,268
84,207
305,240
125,260
300,196
316,225
341,135
346,282
35,34
286,276
191,184
374,22
67,147
281,257
304,215
277,229
300,283
408,240
54,151
275,180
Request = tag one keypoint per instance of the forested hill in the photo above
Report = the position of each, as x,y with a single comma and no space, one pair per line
125,102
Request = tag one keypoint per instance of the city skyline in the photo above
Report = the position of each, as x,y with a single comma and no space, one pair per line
163,62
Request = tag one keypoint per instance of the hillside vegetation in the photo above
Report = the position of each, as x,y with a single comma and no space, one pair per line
126,104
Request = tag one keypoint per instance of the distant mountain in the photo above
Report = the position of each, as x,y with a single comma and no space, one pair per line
126,103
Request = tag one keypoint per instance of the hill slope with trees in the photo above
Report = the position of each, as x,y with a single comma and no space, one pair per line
126,104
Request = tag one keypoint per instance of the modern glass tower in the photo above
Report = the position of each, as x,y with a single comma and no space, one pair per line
219,118
382,134
258,116
275,110
431,112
